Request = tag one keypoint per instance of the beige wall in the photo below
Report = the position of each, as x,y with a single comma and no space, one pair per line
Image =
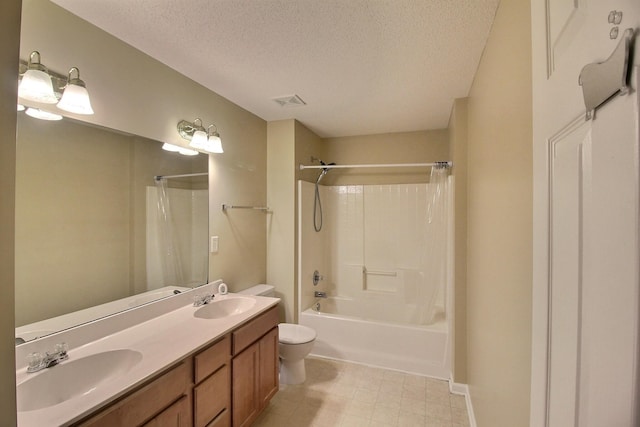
281,254
290,144
458,154
499,274
402,147
9,43
144,97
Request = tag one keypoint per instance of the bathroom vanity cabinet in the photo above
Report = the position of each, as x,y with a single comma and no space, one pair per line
163,401
228,383
255,367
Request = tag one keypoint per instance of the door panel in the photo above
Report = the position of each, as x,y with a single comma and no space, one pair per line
585,357
565,285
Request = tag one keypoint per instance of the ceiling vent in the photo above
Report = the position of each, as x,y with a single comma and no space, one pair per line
290,101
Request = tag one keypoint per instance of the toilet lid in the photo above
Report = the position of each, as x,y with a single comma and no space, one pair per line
290,333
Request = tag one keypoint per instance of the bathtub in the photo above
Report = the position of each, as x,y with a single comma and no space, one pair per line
417,349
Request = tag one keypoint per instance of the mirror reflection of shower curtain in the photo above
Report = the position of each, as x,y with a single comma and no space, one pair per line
435,251
171,258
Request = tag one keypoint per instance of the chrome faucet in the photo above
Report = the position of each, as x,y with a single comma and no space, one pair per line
199,300
319,294
37,361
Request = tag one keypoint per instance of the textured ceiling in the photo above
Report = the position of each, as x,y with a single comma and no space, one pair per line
361,66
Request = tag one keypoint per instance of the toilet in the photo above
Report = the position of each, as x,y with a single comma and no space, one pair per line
295,342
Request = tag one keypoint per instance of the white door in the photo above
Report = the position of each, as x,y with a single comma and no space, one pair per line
585,358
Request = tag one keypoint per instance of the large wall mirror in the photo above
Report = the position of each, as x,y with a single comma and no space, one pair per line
97,230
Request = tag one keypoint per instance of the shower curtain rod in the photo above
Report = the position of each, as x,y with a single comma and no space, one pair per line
382,165
186,175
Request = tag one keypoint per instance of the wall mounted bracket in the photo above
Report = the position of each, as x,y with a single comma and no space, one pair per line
600,81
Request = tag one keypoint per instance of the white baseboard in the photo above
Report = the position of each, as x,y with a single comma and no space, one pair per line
463,389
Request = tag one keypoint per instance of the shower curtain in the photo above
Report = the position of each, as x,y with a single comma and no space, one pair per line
171,258
435,251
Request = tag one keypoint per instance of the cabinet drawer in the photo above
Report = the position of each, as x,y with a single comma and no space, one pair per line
146,402
212,397
245,335
211,359
176,415
223,420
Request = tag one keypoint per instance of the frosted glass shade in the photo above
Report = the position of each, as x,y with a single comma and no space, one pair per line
75,99
214,145
199,139
187,152
42,115
36,86
171,147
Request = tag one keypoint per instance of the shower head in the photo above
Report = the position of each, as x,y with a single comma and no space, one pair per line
324,171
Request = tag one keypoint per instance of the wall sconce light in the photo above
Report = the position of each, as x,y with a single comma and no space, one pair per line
36,84
75,97
214,143
41,85
199,138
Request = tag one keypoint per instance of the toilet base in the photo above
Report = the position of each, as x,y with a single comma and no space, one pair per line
292,371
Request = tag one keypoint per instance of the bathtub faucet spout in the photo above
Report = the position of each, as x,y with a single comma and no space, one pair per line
319,294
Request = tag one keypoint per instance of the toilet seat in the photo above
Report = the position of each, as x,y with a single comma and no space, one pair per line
290,333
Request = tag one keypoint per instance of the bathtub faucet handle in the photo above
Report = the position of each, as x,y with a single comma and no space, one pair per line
317,278
319,294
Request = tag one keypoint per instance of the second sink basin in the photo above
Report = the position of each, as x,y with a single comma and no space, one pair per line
73,377
229,306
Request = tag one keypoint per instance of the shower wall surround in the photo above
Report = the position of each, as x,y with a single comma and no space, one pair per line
373,248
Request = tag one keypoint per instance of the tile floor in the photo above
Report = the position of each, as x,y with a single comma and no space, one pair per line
347,394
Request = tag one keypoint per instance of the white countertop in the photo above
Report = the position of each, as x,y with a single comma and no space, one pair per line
162,341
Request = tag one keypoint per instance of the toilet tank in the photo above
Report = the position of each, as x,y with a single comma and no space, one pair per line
260,290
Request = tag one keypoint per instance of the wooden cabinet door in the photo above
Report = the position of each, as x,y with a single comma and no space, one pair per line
268,366
176,415
246,402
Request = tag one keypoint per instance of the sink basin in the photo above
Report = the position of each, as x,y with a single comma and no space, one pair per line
73,377
226,307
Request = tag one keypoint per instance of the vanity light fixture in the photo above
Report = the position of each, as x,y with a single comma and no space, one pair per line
214,143
199,135
42,85
36,84
177,149
200,138
170,147
42,115
75,97
188,152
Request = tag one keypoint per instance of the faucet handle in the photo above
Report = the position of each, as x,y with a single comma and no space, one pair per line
34,361
61,348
